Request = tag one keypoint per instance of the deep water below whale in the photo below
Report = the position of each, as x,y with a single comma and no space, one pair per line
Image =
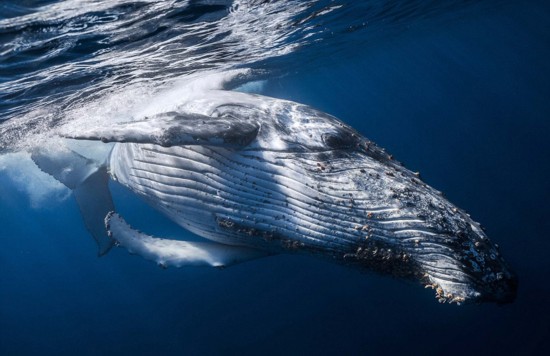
463,99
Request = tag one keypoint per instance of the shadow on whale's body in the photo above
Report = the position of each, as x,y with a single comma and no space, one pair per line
258,176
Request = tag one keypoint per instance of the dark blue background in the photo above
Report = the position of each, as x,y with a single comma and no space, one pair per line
466,102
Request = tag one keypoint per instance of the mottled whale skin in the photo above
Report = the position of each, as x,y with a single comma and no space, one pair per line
276,176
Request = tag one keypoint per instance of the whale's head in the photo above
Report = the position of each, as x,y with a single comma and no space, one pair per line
403,226
378,214
408,229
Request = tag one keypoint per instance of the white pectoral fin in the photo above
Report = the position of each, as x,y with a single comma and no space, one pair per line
175,129
175,253
88,179
65,165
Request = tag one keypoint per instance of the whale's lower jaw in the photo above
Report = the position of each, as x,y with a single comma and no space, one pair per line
433,264
342,205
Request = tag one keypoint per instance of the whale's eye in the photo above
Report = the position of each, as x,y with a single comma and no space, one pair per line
341,139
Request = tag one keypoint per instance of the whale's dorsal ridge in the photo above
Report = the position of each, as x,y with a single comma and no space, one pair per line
176,129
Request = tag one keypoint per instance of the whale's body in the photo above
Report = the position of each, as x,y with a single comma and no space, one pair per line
275,195
264,176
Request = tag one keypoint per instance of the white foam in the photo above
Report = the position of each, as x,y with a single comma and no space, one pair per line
139,101
40,188
187,89
254,87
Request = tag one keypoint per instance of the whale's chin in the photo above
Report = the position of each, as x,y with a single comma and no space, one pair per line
461,288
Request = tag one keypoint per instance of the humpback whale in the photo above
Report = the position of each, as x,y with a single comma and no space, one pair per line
257,176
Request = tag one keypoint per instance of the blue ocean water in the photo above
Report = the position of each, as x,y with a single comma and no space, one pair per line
459,92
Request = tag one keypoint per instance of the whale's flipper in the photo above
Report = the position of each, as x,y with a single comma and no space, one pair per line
65,165
174,129
88,180
175,253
